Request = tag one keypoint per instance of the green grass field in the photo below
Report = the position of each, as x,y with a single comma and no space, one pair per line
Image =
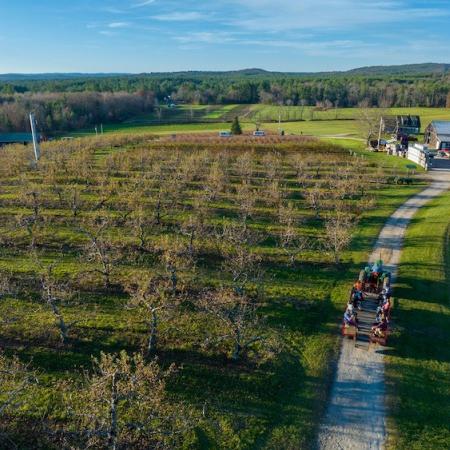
157,129
291,113
185,114
220,112
323,125
418,369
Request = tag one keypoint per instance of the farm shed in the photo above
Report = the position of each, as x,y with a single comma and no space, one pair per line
400,125
15,138
437,135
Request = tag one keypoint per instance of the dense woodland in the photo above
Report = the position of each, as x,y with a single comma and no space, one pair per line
69,111
65,104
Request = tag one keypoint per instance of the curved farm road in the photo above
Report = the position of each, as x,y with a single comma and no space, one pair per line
356,414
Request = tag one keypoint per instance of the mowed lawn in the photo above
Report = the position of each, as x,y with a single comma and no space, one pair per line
157,129
418,369
324,123
292,113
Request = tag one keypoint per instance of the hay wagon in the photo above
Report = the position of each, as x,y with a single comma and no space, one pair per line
349,331
379,340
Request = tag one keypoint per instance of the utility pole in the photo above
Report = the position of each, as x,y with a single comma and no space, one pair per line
280,130
37,149
379,134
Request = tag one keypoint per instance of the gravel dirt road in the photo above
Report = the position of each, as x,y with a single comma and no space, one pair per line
356,414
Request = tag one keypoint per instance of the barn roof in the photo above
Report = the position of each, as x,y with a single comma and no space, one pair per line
441,127
392,124
13,138
409,121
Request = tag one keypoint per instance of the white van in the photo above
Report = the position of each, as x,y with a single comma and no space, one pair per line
259,133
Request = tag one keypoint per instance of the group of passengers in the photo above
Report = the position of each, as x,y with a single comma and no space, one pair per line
354,304
374,275
380,326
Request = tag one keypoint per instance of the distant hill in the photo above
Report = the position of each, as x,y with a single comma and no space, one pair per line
73,76
55,76
407,69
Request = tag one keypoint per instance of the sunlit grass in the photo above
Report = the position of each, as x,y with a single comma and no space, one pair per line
418,369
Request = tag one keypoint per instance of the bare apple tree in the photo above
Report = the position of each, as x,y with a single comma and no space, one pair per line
100,249
7,287
244,267
53,292
74,199
289,239
194,227
246,199
124,405
150,296
240,262
338,235
176,259
244,166
370,121
32,197
17,383
239,323
141,227
215,181
314,198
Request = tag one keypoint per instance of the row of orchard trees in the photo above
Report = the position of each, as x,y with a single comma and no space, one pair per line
151,224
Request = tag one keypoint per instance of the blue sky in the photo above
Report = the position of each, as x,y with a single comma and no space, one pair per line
167,35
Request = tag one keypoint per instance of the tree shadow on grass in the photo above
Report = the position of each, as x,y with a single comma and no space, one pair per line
277,395
410,289
71,357
420,335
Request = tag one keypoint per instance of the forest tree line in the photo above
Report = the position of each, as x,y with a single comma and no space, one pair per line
70,111
77,103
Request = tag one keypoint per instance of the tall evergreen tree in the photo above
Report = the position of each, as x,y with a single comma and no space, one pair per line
236,126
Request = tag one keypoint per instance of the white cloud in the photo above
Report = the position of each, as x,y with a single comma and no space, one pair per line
119,25
398,52
144,3
206,37
314,43
111,10
180,17
280,15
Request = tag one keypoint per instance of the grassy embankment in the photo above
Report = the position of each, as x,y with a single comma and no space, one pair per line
275,405
418,369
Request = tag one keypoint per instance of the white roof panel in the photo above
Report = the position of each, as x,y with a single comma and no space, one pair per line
441,126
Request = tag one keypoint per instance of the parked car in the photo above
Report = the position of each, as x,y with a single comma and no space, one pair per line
259,133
